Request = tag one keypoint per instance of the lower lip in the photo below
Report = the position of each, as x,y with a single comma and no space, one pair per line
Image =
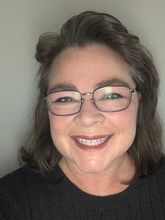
91,148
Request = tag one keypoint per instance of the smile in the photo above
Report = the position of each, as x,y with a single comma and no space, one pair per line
91,143
95,142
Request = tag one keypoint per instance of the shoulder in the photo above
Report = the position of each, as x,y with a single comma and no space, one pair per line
18,181
24,191
161,166
158,178
162,163
160,169
16,188
19,178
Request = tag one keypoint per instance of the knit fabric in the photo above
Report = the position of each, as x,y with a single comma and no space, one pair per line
26,195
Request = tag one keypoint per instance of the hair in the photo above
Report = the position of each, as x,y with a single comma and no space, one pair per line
87,28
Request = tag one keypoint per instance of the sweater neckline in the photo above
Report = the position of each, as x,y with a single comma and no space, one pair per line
85,199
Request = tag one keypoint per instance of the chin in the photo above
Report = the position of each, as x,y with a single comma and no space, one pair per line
92,167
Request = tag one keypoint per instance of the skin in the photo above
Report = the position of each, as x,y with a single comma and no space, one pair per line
95,170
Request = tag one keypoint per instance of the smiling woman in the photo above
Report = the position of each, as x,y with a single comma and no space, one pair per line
95,147
91,122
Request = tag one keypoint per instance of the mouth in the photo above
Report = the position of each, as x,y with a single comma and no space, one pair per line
91,143
94,142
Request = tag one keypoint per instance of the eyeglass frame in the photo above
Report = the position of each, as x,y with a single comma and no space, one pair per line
92,99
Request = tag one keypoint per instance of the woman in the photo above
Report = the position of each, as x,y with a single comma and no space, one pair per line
95,147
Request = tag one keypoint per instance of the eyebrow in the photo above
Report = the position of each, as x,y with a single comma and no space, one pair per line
61,87
114,81
69,86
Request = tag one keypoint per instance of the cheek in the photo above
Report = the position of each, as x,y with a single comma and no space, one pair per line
125,121
57,129
59,126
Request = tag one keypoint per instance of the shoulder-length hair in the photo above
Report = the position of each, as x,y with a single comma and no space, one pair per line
38,150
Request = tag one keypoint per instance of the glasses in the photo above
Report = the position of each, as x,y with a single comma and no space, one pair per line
105,99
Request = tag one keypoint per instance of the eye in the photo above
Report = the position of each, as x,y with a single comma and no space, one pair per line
64,99
112,96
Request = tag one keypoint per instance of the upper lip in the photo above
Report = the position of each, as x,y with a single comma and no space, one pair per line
87,137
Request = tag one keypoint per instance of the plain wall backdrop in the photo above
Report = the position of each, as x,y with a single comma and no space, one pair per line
21,23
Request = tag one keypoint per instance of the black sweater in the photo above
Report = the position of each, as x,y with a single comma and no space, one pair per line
24,195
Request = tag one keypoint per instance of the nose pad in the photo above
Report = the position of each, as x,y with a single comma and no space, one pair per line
88,100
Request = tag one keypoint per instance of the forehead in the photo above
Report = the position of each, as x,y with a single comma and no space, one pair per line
88,67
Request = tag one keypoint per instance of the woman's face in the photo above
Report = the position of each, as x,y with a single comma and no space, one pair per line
84,69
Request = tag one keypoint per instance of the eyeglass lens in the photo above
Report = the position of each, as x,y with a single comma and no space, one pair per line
108,99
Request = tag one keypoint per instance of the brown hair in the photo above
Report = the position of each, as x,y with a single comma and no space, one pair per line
89,27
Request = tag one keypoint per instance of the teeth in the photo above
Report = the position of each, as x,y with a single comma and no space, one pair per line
92,142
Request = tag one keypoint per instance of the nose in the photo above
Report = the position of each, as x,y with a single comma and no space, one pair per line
88,114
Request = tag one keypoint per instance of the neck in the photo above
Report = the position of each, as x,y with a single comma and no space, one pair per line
113,181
